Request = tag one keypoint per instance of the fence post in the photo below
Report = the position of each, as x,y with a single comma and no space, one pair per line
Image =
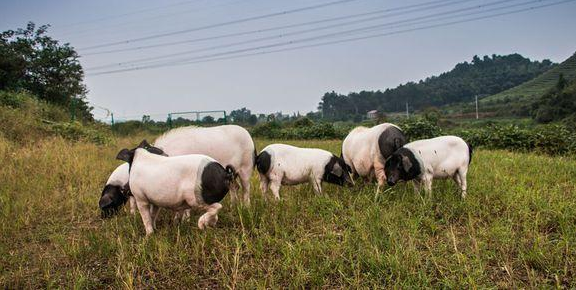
170,121
73,109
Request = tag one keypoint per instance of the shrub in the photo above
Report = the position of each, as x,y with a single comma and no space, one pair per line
276,130
419,128
549,139
75,131
267,130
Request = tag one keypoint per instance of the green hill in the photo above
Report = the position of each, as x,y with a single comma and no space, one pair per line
486,75
526,93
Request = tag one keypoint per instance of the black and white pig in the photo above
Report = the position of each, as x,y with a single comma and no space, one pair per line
366,149
117,190
424,160
281,164
193,181
229,145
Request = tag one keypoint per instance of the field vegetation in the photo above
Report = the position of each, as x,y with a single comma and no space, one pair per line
516,228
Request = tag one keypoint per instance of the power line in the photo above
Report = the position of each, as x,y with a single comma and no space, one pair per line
127,14
217,58
292,25
313,38
242,20
147,19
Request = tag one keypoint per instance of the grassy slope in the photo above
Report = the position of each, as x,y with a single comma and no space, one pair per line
517,228
536,87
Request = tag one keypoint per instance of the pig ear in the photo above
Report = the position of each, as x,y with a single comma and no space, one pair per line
105,201
406,163
337,170
397,143
124,155
144,144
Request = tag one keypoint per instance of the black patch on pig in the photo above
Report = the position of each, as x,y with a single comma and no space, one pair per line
329,175
348,168
263,162
395,169
390,140
470,151
215,182
112,199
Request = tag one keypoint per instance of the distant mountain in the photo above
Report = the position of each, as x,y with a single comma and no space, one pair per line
481,76
518,100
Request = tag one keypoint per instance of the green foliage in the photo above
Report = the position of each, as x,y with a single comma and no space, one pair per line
486,76
550,139
301,129
26,119
243,116
32,61
267,130
417,128
516,101
75,131
556,105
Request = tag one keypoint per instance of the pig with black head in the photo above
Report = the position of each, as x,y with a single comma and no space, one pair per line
192,181
281,164
425,160
116,192
366,149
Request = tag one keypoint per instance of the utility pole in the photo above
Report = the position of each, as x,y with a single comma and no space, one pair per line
407,114
476,107
112,119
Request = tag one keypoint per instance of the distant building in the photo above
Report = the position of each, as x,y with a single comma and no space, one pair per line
372,114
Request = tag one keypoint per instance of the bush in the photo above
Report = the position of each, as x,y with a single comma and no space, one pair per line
26,119
417,128
548,139
276,130
75,131
267,130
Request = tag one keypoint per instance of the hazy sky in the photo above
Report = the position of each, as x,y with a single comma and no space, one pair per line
285,81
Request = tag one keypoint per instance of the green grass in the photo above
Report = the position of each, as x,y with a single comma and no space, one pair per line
517,228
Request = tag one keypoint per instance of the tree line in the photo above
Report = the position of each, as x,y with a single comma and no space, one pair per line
479,77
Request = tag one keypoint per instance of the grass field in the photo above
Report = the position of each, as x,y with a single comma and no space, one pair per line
517,228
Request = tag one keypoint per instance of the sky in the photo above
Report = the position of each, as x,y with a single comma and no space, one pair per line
417,39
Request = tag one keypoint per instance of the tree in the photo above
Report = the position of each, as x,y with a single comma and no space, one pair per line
208,120
243,116
30,60
556,105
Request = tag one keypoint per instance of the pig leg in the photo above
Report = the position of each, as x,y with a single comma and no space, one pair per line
245,181
154,210
263,184
380,174
178,216
417,186
133,205
144,209
210,217
462,177
428,186
275,188
317,185
186,215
